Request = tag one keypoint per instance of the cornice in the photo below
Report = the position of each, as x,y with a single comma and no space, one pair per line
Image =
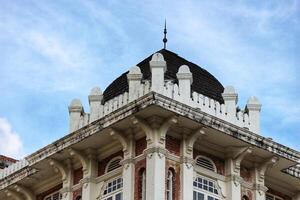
139,104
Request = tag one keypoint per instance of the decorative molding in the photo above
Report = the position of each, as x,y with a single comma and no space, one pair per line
191,139
82,158
237,154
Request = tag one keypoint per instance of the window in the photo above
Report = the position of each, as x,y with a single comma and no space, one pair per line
273,197
54,196
206,163
113,164
205,189
169,184
113,189
142,184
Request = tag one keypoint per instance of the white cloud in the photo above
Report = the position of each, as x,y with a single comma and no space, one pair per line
10,142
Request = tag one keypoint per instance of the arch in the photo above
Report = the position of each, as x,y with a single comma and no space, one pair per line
205,162
113,164
170,184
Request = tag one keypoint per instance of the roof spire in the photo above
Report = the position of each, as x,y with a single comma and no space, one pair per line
165,40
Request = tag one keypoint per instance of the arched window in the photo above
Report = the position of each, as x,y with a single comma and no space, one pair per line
245,197
205,189
113,164
206,163
113,189
54,196
170,184
142,184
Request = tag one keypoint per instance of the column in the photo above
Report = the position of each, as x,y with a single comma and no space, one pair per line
232,170
155,154
89,177
127,141
187,162
89,164
259,178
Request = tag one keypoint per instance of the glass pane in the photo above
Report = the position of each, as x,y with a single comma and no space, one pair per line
200,196
194,195
210,198
119,196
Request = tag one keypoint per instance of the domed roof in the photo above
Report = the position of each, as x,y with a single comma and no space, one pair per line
203,82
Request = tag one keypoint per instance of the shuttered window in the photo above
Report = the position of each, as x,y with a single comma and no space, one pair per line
205,163
113,164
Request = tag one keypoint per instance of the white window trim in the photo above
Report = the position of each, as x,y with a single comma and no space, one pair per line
208,173
143,185
114,192
170,178
205,192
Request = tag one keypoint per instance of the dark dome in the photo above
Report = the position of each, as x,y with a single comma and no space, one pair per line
203,82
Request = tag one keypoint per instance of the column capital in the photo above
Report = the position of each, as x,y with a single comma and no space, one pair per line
162,152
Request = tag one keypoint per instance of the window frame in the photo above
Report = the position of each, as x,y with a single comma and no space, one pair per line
114,192
207,193
169,185
51,195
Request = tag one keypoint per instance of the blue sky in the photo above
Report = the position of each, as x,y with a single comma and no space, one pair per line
54,51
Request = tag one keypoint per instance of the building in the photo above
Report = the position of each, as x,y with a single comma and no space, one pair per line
165,130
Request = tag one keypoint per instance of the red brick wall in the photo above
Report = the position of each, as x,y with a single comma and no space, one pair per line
77,176
77,193
220,164
139,166
175,168
285,197
173,145
41,196
102,164
140,146
246,174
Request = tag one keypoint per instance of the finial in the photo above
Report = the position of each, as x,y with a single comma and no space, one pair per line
165,40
